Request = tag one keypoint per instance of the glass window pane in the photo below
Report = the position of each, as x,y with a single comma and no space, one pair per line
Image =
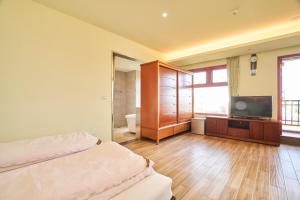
290,79
219,75
213,100
200,78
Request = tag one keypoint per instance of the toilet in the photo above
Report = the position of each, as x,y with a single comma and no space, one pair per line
131,122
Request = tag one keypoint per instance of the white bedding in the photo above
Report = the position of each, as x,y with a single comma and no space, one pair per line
29,151
104,170
123,186
153,187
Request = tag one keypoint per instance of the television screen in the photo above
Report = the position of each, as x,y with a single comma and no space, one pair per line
251,106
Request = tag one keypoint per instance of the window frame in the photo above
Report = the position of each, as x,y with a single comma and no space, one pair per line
210,83
209,76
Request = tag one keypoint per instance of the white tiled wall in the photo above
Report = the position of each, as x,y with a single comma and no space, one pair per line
125,97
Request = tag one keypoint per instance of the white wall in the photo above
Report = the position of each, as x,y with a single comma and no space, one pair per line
55,72
265,81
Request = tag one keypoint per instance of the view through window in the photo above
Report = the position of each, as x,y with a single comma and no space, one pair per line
290,94
211,94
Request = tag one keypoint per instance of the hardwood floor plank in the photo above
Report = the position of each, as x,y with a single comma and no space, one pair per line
276,172
277,193
248,184
210,168
293,188
298,176
295,158
288,170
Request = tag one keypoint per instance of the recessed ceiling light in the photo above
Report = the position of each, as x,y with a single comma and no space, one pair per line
164,14
235,11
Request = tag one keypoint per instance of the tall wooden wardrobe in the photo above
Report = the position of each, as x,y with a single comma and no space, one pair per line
166,100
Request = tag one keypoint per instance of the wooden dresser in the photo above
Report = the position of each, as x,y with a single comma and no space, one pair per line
261,131
166,100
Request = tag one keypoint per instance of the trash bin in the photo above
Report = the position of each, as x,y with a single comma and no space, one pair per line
198,125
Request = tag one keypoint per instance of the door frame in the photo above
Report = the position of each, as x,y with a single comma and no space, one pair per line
113,70
279,82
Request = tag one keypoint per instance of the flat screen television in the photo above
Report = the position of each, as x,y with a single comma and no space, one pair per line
251,106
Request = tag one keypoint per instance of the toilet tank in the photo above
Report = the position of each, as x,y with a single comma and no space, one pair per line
131,122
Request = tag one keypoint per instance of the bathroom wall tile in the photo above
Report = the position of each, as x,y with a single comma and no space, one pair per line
120,99
130,92
125,95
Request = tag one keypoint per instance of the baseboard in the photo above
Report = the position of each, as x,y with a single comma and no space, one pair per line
290,140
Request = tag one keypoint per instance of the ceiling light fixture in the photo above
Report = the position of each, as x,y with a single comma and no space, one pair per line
164,14
235,11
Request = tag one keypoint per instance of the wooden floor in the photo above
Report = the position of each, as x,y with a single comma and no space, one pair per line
204,167
122,134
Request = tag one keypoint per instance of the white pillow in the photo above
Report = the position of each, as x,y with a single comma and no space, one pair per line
44,148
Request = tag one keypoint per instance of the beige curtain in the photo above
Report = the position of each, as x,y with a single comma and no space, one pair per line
233,69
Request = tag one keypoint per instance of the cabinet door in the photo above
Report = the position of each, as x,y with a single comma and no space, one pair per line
257,130
168,96
238,132
272,132
185,97
211,125
222,126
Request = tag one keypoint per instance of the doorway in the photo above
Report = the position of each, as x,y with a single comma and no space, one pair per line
126,99
289,93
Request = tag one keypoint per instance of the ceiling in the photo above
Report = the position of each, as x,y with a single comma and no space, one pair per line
247,49
190,23
126,65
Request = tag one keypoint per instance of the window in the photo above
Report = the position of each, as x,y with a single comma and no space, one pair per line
212,100
219,75
200,78
211,94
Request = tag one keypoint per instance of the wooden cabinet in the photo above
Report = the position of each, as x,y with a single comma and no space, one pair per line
166,132
217,126
168,96
238,128
241,133
257,130
222,126
211,125
185,94
166,100
179,128
261,131
270,132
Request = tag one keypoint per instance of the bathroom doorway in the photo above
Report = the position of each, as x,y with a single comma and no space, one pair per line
126,98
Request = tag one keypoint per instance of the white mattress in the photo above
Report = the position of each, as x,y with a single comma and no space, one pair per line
95,161
154,187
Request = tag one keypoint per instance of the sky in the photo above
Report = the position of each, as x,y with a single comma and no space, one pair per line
291,79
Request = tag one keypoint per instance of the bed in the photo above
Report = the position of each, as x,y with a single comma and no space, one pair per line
58,168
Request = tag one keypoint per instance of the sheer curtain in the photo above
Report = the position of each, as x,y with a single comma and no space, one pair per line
233,70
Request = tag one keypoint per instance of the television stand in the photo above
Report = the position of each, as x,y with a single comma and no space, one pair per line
250,118
252,130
